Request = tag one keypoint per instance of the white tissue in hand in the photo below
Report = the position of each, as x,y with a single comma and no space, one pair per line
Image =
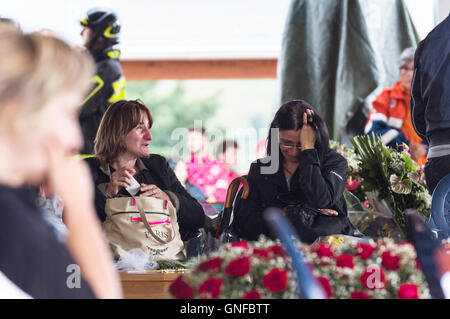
136,260
134,188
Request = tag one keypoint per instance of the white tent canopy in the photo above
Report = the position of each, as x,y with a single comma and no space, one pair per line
194,29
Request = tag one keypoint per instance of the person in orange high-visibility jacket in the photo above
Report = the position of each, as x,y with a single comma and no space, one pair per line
390,116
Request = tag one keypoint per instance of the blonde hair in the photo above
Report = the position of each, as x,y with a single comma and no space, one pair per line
119,119
35,68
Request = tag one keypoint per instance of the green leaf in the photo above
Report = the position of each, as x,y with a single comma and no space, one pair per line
409,162
414,176
400,186
386,153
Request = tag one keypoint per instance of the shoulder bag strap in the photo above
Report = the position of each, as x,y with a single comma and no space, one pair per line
145,221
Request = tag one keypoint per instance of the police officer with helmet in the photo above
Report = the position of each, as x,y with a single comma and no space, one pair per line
100,35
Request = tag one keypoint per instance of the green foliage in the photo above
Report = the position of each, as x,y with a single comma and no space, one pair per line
374,156
393,175
400,186
168,264
171,110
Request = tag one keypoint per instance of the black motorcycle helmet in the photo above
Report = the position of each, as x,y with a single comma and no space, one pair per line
105,25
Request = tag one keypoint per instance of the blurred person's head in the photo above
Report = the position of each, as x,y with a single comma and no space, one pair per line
47,32
227,152
289,120
180,169
197,141
87,35
124,131
6,22
101,28
406,65
260,148
42,84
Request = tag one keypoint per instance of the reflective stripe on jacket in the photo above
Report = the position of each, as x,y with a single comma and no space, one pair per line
390,117
108,86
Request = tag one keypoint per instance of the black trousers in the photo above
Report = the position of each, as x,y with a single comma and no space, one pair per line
435,169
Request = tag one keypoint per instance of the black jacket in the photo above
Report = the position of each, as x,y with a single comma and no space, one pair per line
31,256
314,185
190,213
108,87
430,93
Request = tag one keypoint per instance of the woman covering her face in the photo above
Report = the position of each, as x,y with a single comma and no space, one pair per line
306,175
42,84
122,154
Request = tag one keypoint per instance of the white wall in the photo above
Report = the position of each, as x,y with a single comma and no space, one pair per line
423,14
443,9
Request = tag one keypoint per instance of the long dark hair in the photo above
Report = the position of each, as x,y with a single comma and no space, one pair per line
290,117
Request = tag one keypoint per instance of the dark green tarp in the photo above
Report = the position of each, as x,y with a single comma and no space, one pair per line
338,54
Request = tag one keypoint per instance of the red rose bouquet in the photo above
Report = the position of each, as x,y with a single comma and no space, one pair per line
379,269
352,269
239,271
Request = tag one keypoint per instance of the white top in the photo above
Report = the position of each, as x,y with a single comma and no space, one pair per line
8,290
445,284
288,180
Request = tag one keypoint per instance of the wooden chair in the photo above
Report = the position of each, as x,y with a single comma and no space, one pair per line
224,229
219,230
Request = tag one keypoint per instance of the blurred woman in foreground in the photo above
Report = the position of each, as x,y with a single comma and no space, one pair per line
42,84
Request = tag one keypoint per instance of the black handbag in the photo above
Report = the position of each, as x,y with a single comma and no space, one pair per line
312,223
304,214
